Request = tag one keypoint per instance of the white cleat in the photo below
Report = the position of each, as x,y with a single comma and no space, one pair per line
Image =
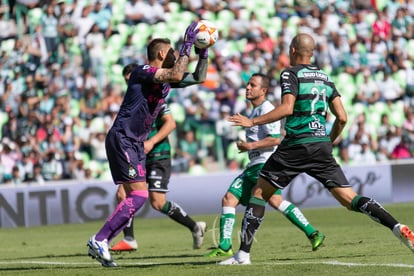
405,235
99,250
236,260
198,234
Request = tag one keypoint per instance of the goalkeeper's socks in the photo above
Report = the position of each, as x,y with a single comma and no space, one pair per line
125,210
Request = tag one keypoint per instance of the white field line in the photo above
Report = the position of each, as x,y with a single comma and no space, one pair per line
331,263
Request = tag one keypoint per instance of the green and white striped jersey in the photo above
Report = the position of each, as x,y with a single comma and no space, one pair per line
314,90
256,133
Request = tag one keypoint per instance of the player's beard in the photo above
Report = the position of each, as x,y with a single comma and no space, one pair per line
169,60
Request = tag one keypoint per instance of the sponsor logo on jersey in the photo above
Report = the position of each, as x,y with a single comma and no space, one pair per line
311,75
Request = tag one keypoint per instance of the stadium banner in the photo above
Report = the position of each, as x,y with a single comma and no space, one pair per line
72,202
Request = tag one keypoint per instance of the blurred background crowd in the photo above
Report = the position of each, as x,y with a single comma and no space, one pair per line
61,83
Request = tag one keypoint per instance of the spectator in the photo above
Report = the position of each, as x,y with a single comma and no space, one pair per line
224,129
52,167
239,26
50,28
402,25
355,61
188,150
390,89
130,53
37,50
95,44
66,26
408,126
362,29
366,155
135,11
385,127
97,144
37,175
381,26
367,91
155,13
102,18
402,150
8,27
83,25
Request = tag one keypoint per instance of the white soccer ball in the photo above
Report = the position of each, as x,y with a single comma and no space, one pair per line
207,35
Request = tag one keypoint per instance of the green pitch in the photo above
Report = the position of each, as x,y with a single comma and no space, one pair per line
355,245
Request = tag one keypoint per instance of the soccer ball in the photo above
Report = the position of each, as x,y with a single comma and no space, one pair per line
207,35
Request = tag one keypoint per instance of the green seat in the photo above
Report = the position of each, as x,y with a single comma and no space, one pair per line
116,74
400,77
74,108
140,34
118,11
98,125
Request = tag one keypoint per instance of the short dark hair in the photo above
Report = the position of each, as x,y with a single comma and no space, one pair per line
154,47
128,69
265,79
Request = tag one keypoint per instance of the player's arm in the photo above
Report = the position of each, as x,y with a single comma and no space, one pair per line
174,74
200,73
280,112
267,142
168,125
339,112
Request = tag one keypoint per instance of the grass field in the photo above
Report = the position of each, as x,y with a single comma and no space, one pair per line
355,245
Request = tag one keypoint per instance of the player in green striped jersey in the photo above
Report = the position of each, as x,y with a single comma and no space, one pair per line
307,93
260,143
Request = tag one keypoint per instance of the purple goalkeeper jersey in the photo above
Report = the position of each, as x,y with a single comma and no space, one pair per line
141,104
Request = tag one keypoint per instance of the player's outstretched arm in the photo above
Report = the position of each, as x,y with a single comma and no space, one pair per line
200,73
280,112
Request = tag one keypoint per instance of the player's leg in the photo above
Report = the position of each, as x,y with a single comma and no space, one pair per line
128,242
295,216
158,179
351,200
239,192
137,194
253,218
227,223
127,165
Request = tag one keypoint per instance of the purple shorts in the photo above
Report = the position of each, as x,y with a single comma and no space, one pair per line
126,158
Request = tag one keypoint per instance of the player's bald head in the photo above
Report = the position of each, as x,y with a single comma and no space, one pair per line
301,49
303,44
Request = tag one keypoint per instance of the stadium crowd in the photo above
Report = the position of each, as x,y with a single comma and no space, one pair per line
61,83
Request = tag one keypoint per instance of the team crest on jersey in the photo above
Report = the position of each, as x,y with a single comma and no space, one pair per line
132,173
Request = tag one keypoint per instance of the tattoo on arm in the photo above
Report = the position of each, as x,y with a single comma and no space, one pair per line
201,70
170,75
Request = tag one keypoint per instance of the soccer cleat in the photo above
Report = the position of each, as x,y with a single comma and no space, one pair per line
236,260
316,239
198,234
125,245
218,252
99,250
405,235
